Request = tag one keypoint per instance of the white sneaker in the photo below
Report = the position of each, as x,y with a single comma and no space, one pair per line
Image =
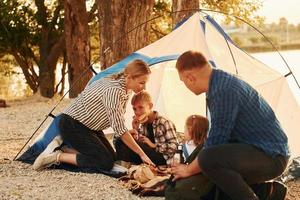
46,160
56,142
48,152
119,168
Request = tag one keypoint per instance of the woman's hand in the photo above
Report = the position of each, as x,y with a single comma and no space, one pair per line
180,171
147,141
134,134
147,160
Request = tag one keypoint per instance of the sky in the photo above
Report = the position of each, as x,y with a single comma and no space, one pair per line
273,10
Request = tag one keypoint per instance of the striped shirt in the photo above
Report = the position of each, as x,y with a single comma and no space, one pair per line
240,115
102,105
164,135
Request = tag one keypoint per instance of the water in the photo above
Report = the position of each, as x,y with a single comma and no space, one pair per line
15,86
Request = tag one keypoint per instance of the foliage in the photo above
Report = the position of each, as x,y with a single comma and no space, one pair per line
6,65
29,30
17,26
162,25
244,9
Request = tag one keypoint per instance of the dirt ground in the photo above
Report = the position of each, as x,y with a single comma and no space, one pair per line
20,181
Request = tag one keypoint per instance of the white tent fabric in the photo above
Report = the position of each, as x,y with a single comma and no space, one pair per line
173,100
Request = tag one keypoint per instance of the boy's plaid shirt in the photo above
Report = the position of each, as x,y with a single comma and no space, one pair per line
165,136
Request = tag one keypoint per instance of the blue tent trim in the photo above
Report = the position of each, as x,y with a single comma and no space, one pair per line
202,24
219,28
118,67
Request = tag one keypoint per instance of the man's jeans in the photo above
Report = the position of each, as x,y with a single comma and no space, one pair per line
233,167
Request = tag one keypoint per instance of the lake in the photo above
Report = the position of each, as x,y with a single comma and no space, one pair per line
15,86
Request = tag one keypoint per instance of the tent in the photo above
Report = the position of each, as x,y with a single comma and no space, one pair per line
202,33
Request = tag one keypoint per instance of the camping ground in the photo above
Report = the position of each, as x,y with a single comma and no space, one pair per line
20,181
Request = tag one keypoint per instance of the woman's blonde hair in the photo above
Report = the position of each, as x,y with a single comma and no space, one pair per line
198,127
135,69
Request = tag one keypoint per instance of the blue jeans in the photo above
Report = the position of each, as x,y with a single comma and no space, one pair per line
39,146
52,131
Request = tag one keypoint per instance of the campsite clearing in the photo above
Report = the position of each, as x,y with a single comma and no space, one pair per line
20,181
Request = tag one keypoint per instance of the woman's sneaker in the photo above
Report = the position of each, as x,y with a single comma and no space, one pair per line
46,160
49,156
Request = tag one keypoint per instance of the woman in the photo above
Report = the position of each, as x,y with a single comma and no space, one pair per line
100,105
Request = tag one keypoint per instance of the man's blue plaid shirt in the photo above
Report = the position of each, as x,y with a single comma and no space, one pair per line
240,115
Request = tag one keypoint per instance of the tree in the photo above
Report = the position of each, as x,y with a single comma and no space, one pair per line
16,37
254,40
32,33
244,9
181,5
77,45
115,19
51,44
240,8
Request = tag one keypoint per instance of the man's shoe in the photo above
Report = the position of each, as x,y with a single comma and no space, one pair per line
279,191
270,190
263,190
46,160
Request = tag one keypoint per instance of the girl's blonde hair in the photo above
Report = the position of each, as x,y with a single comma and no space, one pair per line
198,127
135,69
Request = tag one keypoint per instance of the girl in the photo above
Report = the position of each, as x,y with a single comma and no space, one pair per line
195,133
99,106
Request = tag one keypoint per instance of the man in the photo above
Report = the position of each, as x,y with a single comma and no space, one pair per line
245,145
155,134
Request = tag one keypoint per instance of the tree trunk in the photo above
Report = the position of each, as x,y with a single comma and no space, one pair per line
28,71
77,44
115,19
178,5
47,65
51,46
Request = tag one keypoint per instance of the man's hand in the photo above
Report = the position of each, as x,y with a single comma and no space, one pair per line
147,141
180,171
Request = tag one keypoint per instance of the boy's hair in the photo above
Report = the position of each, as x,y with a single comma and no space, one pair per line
198,128
190,60
142,96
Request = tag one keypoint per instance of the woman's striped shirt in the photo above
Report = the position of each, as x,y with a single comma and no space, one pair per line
101,105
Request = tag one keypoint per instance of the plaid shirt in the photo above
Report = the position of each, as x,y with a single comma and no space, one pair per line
240,115
165,136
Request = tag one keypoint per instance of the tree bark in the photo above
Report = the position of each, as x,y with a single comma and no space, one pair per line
47,66
77,45
51,46
178,5
115,19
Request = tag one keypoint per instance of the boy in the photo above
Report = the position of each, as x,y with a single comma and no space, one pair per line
155,134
